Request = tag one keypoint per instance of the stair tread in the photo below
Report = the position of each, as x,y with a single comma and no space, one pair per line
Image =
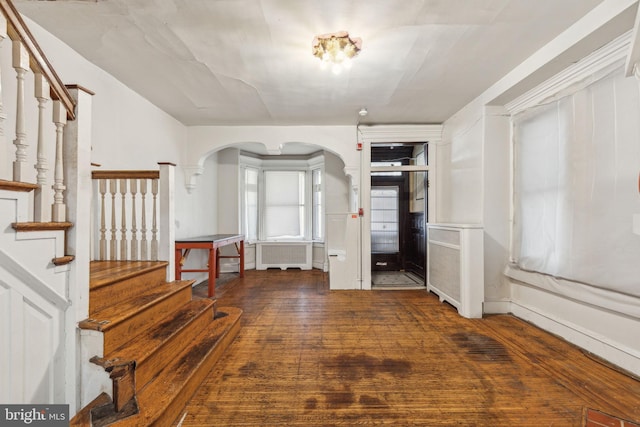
104,273
147,343
108,317
17,186
166,387
32,226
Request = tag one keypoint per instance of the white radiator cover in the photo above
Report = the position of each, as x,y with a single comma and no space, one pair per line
284,255
456,266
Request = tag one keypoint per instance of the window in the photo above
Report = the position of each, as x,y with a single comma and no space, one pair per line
284,205
576,171
384,220
250,204
316,191
282,199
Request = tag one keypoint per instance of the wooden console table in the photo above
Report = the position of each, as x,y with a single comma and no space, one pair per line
212,243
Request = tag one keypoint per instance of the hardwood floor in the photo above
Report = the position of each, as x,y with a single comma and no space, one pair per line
309,356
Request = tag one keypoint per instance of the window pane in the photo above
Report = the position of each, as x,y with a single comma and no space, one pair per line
250,219
316,186
384,220
284,204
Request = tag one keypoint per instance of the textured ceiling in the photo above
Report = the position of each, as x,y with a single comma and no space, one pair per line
249,62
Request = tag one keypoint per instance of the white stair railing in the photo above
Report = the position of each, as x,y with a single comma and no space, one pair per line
30,63
123,198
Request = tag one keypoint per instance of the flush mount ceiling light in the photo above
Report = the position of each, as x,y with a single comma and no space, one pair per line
336,50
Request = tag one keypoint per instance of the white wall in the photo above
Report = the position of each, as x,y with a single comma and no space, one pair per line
459,166
496,205
336,185
228,182
197,211
228,202
128,131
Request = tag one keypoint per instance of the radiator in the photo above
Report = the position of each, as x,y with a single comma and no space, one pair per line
456,266
284,255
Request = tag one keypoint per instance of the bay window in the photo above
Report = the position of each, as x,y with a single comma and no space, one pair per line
282,199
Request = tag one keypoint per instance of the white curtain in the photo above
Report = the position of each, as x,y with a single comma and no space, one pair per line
284,214
576,186
250,211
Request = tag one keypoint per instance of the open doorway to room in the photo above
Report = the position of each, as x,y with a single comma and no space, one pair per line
398,216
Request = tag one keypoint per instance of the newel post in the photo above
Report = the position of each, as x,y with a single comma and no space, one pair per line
77,177
167,217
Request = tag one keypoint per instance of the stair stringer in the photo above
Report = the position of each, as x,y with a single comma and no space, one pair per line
33,250
95,379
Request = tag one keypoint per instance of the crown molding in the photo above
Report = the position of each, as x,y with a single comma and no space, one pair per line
589,69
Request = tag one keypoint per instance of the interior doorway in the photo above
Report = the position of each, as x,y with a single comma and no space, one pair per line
398,216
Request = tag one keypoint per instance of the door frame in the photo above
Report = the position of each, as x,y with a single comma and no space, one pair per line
371,134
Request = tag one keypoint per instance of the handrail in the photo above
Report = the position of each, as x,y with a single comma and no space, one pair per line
125,174
18,31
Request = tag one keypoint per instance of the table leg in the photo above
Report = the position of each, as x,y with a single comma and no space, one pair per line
241,253
217,263
212,272
178,267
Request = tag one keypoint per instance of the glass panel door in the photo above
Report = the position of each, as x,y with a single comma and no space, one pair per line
384,220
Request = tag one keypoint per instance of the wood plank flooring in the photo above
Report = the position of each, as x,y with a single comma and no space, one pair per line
307,356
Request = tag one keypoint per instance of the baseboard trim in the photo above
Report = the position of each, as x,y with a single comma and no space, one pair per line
598,345
496,307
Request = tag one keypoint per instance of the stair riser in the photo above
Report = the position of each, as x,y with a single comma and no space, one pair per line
116,336
174,409
115,293
147,369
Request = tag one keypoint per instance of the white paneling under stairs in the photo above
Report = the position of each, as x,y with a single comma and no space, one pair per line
33,306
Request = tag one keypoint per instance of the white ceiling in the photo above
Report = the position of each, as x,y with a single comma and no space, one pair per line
249,62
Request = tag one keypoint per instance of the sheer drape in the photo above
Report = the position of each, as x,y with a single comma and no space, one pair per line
284,205
576,186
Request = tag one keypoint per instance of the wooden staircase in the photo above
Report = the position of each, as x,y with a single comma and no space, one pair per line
158,342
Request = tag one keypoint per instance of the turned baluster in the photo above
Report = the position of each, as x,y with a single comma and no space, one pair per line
154,221
144,255
21,65
113,254
103,227
134,236
123,220
41,201
58,209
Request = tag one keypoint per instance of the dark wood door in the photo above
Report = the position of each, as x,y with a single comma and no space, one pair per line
416,244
